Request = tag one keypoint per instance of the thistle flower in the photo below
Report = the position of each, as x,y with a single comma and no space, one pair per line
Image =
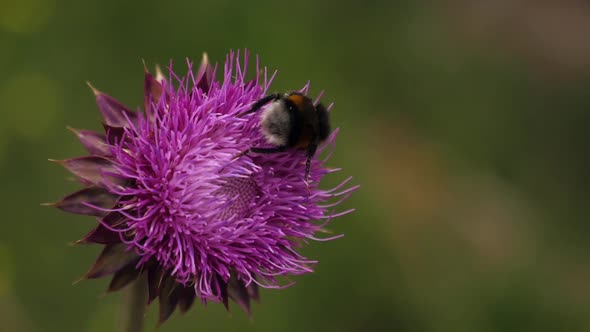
173,205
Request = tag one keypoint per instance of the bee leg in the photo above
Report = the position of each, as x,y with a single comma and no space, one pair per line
257,105
255,150
260,150
238,155
310,153
269,150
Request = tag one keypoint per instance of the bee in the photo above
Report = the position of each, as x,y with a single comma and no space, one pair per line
291,121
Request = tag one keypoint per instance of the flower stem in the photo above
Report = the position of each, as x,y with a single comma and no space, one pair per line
136,303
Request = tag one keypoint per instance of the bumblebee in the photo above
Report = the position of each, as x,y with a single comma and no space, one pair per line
291,121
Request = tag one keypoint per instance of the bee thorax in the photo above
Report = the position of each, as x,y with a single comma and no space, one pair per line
275,123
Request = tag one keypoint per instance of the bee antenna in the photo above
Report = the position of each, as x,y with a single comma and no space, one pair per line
258,104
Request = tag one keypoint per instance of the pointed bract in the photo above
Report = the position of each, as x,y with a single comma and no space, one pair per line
253,292
237,292
100,235
90,169
114,219
113,258
223,293
82,202
152,91
155,278
124,277
114,135
95,143
169,296
159,75
113,112
204,74
186,299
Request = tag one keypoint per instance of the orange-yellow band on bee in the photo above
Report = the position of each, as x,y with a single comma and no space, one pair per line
297,100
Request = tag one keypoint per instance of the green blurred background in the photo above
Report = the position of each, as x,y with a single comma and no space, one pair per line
465,122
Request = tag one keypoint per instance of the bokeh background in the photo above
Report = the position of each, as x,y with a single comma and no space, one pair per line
465,122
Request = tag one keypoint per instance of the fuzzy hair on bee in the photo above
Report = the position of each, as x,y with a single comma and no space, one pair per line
291,121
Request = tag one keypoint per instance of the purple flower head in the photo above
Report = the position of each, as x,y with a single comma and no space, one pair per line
174,205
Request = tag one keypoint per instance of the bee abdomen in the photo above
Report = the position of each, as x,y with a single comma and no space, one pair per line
323,122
